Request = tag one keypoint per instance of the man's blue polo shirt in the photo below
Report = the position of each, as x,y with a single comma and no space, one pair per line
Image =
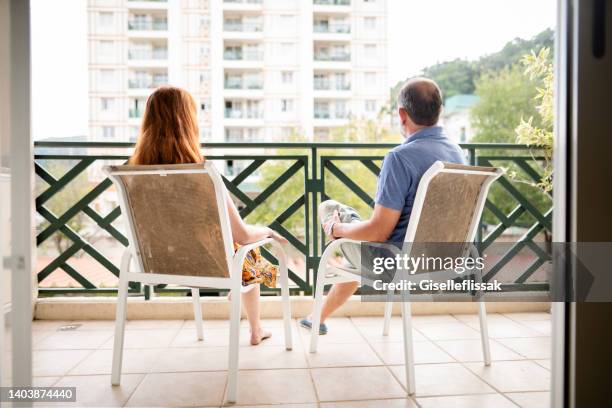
403,168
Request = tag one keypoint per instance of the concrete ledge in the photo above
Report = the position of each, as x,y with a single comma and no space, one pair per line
167,308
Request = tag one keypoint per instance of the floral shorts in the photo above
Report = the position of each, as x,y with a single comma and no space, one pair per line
257,269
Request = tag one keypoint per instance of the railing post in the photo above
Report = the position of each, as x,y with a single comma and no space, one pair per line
315,219
473,160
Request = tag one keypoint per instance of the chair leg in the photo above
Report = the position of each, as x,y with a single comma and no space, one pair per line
232,384
119,328
197,312
284,278
388,312
316,310
484,327
408,345
484,332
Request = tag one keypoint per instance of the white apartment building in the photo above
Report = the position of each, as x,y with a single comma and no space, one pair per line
135,46
260,70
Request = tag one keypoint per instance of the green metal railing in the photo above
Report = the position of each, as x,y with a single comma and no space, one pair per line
308,168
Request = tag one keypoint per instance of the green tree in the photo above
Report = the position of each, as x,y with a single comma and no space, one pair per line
539,67
460,76
514,50
506,96
454,77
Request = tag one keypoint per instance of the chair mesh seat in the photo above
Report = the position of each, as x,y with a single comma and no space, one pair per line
176,220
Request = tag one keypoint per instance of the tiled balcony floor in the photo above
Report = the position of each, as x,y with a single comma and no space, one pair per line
164,364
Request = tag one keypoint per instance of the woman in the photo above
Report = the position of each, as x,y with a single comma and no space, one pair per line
169,134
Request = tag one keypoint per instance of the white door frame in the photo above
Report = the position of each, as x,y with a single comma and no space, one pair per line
560,229
22,169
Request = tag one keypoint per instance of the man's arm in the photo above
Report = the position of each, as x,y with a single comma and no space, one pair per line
376,229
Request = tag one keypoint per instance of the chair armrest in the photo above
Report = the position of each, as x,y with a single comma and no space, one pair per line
253,245
334,245
278,250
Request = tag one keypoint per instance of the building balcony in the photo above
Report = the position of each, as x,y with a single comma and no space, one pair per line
243,55
243,27
243,5
147,4
242,1
147,83
332,28
331,2
155,25
236,113
135,113
156,54
326,114
332,57
235,83
328,85
340,7
73,326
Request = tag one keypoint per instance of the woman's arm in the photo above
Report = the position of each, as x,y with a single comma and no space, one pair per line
244,233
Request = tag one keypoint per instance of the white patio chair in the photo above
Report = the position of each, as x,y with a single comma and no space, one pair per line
179,233
448,205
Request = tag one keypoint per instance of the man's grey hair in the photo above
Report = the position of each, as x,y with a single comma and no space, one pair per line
422,100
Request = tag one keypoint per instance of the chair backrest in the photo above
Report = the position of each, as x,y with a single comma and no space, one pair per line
448,206
177,218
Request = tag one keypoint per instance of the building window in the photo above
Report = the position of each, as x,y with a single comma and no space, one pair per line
107,76
341,111
286,105
108,132
252,134
204,50
106,19
370,51
234,135
286,132
370,106
106,48
106,104
321,134
287,77
369,23
370,79
133,132
287,49
287,21
204,22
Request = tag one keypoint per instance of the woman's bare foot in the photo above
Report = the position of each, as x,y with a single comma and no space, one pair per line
259,335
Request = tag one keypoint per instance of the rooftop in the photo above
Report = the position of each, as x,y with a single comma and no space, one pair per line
460,102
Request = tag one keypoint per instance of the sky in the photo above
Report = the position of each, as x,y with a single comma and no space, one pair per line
420,33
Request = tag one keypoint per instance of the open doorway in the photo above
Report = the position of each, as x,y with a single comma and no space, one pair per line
499,94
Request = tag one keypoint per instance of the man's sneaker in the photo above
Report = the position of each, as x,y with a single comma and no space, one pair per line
307,324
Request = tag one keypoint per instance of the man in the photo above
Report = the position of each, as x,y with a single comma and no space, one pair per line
419,108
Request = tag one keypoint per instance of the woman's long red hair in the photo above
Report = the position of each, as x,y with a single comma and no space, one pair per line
169,132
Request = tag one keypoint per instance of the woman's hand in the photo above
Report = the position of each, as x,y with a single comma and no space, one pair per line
328,227
277,237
